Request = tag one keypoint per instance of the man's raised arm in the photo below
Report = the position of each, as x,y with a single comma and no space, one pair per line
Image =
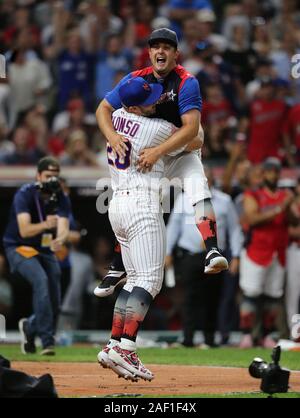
104,120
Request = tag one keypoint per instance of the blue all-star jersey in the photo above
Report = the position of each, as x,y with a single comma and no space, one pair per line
181,93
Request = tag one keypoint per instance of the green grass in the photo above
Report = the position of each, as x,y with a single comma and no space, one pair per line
230,357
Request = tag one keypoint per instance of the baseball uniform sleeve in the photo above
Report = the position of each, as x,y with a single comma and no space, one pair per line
113,97
189,96
166,130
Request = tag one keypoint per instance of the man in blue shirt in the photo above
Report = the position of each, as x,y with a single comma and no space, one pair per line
75,72
200,292
180,104
38,226
183,9
112,59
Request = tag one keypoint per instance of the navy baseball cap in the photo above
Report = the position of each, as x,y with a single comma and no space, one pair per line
137,92
48,164
164,35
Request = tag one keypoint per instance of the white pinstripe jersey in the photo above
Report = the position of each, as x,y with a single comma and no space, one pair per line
141,132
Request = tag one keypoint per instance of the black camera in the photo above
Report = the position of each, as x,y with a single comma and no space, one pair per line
51,188
274,379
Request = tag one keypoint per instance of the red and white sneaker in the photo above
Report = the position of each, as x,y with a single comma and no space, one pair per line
107,363
129,360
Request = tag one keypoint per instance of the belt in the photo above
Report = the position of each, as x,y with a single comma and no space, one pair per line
136,192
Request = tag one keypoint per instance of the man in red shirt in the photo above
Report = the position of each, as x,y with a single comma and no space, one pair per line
265,123
292,135
263,259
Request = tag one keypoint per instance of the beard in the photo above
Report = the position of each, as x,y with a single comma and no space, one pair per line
272,185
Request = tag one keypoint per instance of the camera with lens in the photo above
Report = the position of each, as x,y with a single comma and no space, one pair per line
274,379
51,188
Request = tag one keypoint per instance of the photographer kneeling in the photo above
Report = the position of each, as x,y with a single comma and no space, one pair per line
37,227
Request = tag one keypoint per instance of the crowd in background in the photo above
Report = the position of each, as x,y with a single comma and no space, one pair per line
63,57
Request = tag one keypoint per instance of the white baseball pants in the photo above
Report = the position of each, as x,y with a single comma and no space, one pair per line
138,224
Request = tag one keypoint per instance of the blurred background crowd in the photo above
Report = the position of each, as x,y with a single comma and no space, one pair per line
64,56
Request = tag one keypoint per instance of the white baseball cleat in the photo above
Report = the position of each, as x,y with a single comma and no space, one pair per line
215,262
107,363
129,360
109,282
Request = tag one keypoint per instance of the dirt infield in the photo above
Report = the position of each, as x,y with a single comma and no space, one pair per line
82,379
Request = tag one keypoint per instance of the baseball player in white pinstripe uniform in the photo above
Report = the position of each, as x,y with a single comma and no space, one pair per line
136,218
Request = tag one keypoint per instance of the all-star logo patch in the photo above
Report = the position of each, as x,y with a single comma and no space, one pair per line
169,96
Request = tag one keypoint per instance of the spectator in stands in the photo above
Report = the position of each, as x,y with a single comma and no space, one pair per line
281,58
263,260
20,20
218,120
23,154
98,23
240,54
235,15
292,135
78,152
215,70
75,69
264,70
5,113
29,81
188,43
143,25
181,9
36,123
265,123
206,21
64,123
6,147
239,173
262,43
111,60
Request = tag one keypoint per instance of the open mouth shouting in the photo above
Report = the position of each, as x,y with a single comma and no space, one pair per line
161,61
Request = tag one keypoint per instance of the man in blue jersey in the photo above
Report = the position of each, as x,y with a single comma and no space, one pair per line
180,104
38,226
